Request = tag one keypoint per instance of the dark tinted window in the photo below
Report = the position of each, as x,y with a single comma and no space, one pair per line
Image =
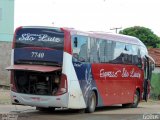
118,52
106,50
80,50
94,50
40,37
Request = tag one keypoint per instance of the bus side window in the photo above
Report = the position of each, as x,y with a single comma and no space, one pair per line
79,48
83,53
102,50
129,54
94,58
106,50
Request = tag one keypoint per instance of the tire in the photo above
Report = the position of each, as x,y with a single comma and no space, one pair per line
135,103
91,104
50,109
158,97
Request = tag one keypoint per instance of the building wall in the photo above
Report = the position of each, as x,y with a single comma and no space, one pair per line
6,20
6,36
5,60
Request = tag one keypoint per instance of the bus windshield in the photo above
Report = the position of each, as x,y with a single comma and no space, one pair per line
40,37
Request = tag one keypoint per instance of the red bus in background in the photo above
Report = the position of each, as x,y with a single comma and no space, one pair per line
62,67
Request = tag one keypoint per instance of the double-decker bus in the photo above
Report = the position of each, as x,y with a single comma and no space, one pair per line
62,67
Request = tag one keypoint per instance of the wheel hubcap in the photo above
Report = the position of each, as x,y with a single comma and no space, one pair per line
92,103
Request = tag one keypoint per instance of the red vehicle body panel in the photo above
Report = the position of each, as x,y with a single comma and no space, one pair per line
116,83
67,41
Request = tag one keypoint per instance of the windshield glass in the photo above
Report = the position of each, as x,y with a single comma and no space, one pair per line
40,37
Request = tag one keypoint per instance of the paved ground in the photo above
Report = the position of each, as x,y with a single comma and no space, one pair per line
144,111
106,113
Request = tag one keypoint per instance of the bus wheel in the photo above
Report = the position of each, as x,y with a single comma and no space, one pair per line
135,102
91,105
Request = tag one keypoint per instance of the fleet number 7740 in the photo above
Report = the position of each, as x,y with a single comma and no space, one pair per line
37,54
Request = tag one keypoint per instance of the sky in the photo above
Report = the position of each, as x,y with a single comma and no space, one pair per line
89,15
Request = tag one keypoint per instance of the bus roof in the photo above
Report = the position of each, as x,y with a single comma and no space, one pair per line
109,36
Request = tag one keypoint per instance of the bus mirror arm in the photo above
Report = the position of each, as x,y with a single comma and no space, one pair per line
75,42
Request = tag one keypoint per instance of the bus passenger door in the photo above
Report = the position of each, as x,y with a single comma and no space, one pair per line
147,77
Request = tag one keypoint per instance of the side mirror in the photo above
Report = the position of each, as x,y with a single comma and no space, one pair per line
152,66
75,42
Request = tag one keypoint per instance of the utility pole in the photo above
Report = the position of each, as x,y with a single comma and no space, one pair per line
116,29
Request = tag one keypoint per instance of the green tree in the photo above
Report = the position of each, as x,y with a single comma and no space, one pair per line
144,34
